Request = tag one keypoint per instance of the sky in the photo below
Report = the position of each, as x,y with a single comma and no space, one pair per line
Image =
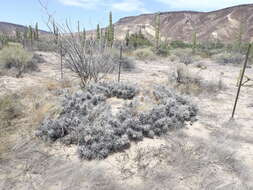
93,12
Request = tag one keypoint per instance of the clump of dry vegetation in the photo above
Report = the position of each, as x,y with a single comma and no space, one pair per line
144,54
127,62
229,58
190,82
15,57
184,55
10,110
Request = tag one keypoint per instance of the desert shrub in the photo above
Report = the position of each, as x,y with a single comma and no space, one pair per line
15,56
173,58
90,60
190,82
138,40
163,50
46,45
183,75
127,63
144,54
184,55
37,58
119,90
229,58
179,44
87,120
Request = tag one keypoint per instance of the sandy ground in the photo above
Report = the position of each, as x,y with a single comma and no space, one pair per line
213,153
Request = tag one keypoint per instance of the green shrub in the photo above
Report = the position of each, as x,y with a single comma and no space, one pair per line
138,40
144,54
179,44
15,56
163,50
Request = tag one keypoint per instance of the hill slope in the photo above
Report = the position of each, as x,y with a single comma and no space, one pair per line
222,24
10,29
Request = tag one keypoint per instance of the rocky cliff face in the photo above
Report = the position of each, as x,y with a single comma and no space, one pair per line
224,24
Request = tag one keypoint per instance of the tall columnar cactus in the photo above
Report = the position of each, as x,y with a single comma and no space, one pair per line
98,32
3,40
36,31
106,34
127,38
194,42
157,30
84,34
83,38
25,34
110,31
18,35
30,34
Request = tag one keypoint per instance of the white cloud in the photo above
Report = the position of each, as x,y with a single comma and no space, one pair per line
129,6
123,5
88,4
202,4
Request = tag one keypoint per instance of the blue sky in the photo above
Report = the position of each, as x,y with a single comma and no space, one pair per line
92,12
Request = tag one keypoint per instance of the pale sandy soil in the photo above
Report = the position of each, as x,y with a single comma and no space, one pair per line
213,153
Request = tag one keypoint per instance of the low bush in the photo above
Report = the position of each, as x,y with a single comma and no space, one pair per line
87,120
179,44
46,45
138,40
144,54
190,82
127,63
163,50
183,75
229,58
184,55
15,56
119,90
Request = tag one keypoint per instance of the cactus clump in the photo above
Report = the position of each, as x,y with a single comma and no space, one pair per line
87,121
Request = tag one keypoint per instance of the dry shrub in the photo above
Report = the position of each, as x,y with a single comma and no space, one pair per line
10,110
173,58
190,82
144,54
15,56
53,85
184,55
229,58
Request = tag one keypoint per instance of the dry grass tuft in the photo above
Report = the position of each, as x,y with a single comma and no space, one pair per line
53,85
11,109
190,82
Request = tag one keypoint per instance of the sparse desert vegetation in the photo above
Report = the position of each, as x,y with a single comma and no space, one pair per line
123,109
